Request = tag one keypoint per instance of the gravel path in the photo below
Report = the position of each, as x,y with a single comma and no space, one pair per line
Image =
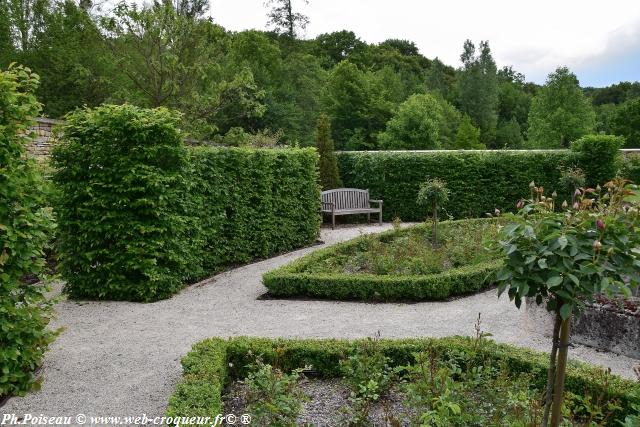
123,359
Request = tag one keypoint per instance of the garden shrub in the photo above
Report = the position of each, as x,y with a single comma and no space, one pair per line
124,226
480,181
25,223
221,362
253,203
298,278
140,214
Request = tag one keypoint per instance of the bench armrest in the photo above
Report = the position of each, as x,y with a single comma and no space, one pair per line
375,201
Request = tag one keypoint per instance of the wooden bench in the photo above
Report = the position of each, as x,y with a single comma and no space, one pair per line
349,201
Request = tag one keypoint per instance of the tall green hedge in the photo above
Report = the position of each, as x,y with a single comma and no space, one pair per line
140,214
123,224
25,223
254,203
480,181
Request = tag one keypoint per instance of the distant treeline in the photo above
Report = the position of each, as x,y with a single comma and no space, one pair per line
269,87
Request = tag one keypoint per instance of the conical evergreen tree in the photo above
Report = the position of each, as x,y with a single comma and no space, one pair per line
329,177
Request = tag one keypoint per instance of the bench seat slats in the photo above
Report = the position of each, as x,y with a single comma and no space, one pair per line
349,201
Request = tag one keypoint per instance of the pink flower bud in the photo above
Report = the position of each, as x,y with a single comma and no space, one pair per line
577,193
565,205
597,245
576,206
497,212
600,224
520,204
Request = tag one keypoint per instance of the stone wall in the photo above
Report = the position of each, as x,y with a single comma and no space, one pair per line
43,137
599,326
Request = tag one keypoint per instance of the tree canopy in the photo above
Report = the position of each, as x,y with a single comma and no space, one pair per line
171,53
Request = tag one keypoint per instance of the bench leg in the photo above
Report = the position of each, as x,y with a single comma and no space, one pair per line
368,218
380,217
333,221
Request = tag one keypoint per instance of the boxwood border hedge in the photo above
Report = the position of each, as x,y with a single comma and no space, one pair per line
289,280
214,362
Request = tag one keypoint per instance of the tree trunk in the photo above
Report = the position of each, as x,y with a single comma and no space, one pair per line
561,369
552,369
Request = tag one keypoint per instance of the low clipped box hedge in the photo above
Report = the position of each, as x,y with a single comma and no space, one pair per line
298,278
480,181
215,362
140,214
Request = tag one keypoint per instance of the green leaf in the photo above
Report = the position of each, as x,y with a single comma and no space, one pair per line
565,310
562,240
554,281
542,263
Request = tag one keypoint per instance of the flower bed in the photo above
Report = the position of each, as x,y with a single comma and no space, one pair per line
399,264
215,363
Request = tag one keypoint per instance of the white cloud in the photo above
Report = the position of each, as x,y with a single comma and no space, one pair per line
534,37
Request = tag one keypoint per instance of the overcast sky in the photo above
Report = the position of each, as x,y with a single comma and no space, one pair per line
598,40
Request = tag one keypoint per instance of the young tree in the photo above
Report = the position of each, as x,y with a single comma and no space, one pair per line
468,136
329,176
478,89
434,194
560,113
566,259
284,20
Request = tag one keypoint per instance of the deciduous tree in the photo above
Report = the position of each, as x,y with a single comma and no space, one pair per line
478,89
284,19
560,113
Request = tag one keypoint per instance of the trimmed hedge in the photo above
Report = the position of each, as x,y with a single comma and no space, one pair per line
123,226
140,214
480,181
254,203
291,280
25,225
215,362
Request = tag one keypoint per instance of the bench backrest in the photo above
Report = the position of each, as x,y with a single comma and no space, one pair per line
347,198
